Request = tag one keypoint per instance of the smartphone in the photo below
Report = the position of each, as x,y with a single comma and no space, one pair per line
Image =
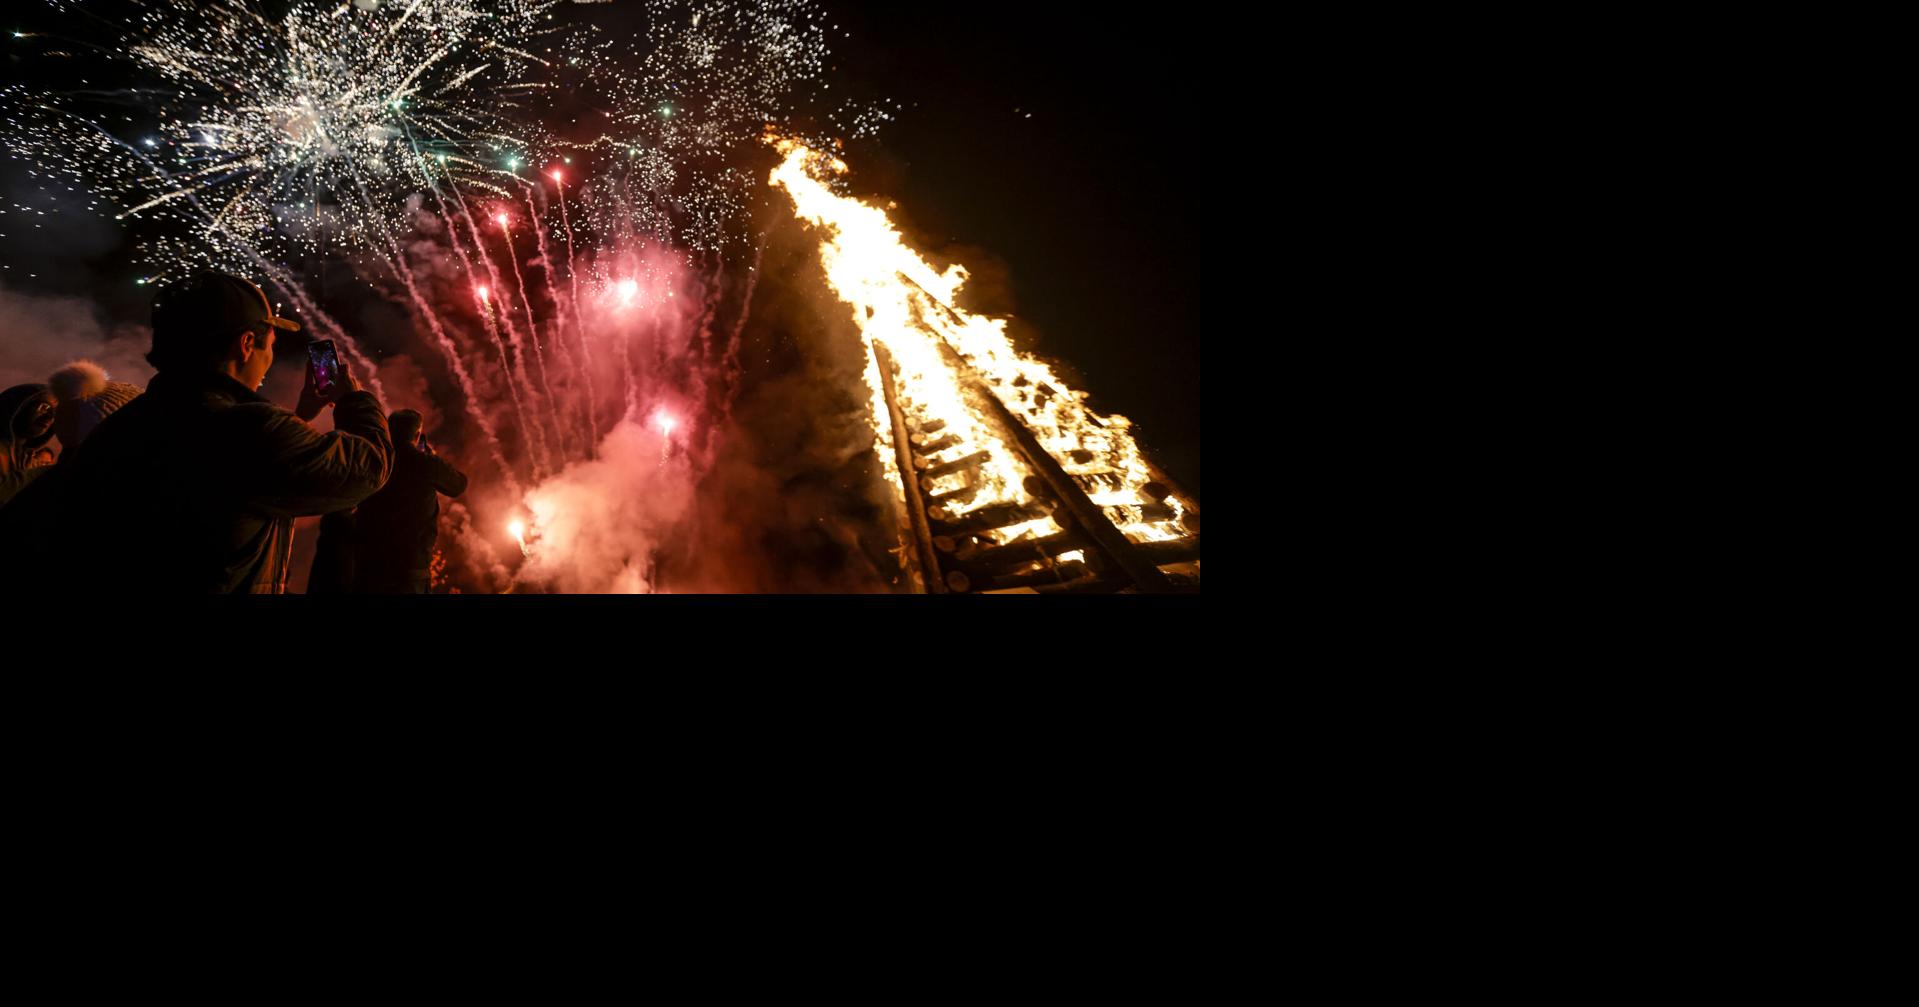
325,366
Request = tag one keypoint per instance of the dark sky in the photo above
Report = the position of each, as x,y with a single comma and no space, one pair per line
1060,141
1052,151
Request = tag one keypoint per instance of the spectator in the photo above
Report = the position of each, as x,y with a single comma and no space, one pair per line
86,397
193,486
26,427
394,531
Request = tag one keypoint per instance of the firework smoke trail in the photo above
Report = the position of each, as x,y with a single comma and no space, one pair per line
535,433
579,323
559,320
709,313
449,350
486,310
730,359
533,333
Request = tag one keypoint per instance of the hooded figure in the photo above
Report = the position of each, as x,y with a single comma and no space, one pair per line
86,397
26,428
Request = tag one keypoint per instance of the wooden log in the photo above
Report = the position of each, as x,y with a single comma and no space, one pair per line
957,582
958,496
986,518
915,509
1155,512
1181,550
1155,491
995,558
957,464
927,444
926,427
1190,520
1091,583
1061,574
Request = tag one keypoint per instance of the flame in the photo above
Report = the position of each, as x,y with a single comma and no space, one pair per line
628,290
900,301
483,292
500,218
517,529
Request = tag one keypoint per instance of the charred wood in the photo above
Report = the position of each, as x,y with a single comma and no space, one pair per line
927,444
986,518
956,465
996,558
1064,573
1183,550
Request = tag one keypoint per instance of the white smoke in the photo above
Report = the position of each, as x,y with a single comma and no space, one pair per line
594,528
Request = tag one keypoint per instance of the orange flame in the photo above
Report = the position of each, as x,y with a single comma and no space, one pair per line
900,301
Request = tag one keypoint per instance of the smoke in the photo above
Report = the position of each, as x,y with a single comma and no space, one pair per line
767,481
43,333
600,522
794,501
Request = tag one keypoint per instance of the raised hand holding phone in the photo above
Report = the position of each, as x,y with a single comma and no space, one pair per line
324,365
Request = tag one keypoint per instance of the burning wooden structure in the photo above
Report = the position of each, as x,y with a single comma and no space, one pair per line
1058,541
1007,481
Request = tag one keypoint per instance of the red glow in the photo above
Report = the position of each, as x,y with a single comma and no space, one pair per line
556,174
501,218
629,289
482,291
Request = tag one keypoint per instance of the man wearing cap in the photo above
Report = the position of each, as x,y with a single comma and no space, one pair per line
193,486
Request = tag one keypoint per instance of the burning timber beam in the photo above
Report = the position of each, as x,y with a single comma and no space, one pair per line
1064,574
961,495
930,445
915,507
1000,557
985,518
1183,550
974,460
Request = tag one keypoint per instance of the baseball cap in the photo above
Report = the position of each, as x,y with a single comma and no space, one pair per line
212,303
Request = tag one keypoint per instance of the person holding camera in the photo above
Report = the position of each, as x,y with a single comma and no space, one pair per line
193,486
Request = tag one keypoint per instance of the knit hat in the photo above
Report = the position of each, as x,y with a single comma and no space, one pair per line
86,397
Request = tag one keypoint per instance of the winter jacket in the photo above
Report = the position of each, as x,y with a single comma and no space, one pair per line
193,488
394,530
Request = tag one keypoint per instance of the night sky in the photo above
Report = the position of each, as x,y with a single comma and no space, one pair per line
1054,152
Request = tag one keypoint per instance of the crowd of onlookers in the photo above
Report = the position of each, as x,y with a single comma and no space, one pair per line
192,485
